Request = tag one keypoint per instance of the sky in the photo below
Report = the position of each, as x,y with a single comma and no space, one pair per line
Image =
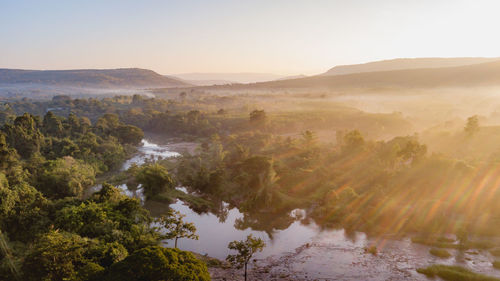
286,37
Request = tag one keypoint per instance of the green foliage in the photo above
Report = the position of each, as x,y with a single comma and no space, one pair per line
106,254
176,228
353,141
90,272
440,253
495,252
52,126
24,135
496,264
371,250
8,155
454,273
89,219
8,265
154,179
129,134
157,263
246,249
472,126
258,117
23,211
56,256
61,157
65,177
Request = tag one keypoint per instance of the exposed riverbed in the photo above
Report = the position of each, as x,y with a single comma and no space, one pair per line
303,251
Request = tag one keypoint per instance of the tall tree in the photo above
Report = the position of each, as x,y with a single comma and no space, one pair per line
24,135
52,125
472,125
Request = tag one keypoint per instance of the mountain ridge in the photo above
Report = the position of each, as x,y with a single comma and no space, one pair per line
483,74
406,63
100,78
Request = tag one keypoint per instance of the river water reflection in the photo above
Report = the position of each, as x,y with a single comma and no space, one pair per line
306,250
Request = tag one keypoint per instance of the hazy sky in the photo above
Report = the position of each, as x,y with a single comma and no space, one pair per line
273,36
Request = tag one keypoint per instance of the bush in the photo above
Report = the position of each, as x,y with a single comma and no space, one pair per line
371,250
496,264
158,263
495,252
440,243
440,253
433,243
443,239
454,273
155,179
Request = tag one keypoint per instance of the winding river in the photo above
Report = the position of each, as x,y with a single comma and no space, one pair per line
305,251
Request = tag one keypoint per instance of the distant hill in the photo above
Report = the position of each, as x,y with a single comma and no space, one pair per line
292,77
203,82
405,63
96,78
244,77
476,75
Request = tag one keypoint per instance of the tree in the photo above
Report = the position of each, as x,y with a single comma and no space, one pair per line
246,249
309,138
7,257
158,263
154,179
258,117
353,141
129,134
174,223
65,177
107,123
8,155
24,135
472,125
56,256
412,150
52,126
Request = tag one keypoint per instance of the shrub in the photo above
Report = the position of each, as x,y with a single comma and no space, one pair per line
496,264
495,252
440,253
158,263
443,239
371,250
454,273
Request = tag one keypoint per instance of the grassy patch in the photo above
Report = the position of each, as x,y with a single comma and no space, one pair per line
443,239
438,243
211,262
434,243
371,250
198,204
484,245
440,253
454,273
495,252
496,264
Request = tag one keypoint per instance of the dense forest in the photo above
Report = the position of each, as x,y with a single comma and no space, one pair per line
50,231
345,168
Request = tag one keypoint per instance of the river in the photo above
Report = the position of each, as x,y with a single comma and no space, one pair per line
305,251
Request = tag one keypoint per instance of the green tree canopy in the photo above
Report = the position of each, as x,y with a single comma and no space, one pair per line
176,227
158,263
154,179
246,249
65,177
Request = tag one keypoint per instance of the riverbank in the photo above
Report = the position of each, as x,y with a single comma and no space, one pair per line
301,250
